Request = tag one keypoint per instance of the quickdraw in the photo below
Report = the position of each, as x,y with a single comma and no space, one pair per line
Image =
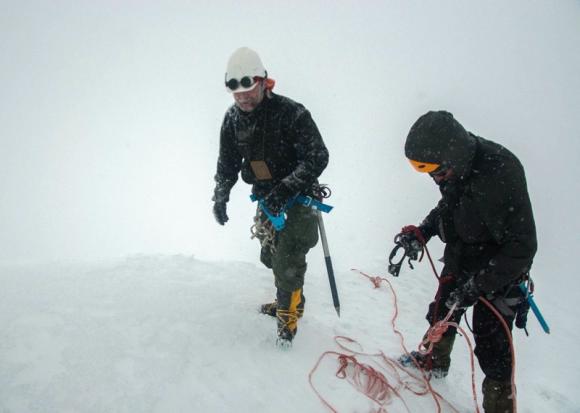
264,230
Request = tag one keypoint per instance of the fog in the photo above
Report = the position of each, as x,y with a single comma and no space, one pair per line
110,116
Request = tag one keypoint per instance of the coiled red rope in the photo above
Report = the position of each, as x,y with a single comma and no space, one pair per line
385,382
375,385
432,336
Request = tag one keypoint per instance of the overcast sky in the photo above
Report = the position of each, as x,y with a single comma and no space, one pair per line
110,115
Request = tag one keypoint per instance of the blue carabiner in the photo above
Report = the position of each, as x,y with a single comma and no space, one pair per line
534,307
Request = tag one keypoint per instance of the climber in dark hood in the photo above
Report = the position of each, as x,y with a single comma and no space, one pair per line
485,219
439,145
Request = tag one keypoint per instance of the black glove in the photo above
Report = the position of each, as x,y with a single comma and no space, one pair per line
219,212
277,199
465,295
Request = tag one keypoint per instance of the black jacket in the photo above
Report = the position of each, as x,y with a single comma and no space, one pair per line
279,132
486,220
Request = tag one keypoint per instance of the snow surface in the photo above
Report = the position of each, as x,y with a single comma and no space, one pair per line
118,291
176,334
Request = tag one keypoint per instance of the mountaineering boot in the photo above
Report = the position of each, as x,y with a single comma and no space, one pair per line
435,364
425,361
270,308
497,396
287,316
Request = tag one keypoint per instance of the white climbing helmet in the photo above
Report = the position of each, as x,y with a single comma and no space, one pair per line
243,66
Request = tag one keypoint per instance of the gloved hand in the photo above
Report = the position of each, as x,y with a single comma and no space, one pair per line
412,241
219,212
277,199
221,195
465,295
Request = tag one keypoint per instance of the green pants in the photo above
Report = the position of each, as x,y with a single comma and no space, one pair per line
288,261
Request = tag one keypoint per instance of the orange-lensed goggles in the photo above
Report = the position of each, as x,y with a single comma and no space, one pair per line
425,167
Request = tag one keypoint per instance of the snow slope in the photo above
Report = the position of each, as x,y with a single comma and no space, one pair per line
175,334
109,123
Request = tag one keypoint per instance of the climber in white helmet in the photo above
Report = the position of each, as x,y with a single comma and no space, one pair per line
276,146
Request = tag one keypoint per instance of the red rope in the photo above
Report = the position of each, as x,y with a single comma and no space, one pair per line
385,382
375,385
434,335
436,332
376,282
512,349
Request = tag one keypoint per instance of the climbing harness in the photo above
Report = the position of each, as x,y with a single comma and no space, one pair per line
267,223
279,220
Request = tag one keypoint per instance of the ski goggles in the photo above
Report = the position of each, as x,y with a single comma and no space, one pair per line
426,167
246,83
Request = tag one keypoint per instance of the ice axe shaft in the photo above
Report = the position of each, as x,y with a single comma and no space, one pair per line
328,261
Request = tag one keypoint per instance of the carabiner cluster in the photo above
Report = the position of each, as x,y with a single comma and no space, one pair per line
412,242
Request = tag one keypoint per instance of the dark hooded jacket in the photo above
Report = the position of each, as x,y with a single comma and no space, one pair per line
279,132
485,217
